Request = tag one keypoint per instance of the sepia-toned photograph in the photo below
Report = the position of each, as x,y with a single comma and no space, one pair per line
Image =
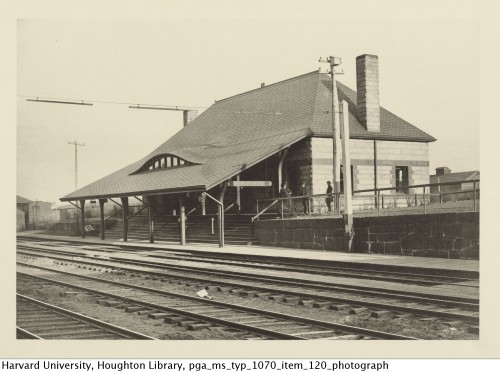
276,179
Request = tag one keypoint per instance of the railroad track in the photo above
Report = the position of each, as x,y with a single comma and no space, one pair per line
150,261
339,269
312,294
197,313
43,321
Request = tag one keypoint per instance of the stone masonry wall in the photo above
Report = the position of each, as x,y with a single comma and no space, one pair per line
321,234
447,235
414,155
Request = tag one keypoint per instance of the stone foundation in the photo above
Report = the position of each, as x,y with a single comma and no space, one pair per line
445,235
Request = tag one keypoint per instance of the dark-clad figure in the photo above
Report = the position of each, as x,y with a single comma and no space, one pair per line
304,192
285,192
329,197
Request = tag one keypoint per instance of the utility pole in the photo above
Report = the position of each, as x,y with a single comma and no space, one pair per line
335,61
76,160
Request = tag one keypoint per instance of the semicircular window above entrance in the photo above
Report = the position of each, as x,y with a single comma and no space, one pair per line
163,161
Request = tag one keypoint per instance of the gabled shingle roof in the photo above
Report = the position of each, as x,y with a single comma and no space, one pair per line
239,131
21,200
455,177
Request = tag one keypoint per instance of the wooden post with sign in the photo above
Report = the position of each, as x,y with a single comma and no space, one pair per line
346,156
250,183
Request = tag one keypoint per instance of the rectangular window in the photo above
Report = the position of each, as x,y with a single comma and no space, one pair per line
402,180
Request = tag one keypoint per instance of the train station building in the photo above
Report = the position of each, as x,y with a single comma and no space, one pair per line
244,147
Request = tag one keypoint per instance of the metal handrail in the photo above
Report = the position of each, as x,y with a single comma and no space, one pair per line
377,194
230,206
256,217
416,186
332,195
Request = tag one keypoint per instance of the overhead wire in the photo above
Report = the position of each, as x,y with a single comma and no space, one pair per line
172,107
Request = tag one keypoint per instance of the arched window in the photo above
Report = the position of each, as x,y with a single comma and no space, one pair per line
164,161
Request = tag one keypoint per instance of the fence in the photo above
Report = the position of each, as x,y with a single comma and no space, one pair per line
424,198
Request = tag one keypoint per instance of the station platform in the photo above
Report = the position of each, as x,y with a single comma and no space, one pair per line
432,266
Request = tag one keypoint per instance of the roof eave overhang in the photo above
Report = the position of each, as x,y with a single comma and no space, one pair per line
381,138
198,188
251,164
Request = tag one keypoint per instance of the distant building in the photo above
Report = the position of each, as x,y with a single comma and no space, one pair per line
444,174
460,188
67,212
40,214
22,212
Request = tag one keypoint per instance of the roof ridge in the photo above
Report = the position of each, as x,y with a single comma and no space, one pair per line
270,85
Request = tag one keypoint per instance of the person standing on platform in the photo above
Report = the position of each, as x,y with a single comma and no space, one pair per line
329,198
285,192
305,202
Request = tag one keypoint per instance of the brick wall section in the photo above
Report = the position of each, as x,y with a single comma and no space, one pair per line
446,235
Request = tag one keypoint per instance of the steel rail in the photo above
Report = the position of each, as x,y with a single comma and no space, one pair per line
295,281
96,323
256,330
381,306
21,333
256,259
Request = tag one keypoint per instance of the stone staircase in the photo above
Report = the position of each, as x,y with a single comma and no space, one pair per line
238,229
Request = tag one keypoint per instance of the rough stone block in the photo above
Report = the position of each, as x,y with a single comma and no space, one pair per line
470,230
423,228
284,235
320,234
307,245
470,252
361,234
388,237
432,244
452,229
383,228
265,235
414,244
437,253
393,248
437,230
303,235
377,247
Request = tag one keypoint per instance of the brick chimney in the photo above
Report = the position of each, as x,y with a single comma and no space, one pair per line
189,116
442,170
367,86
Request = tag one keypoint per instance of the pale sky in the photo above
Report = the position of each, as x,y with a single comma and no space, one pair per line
429,76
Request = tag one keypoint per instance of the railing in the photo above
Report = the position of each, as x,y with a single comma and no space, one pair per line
293,206
422,198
